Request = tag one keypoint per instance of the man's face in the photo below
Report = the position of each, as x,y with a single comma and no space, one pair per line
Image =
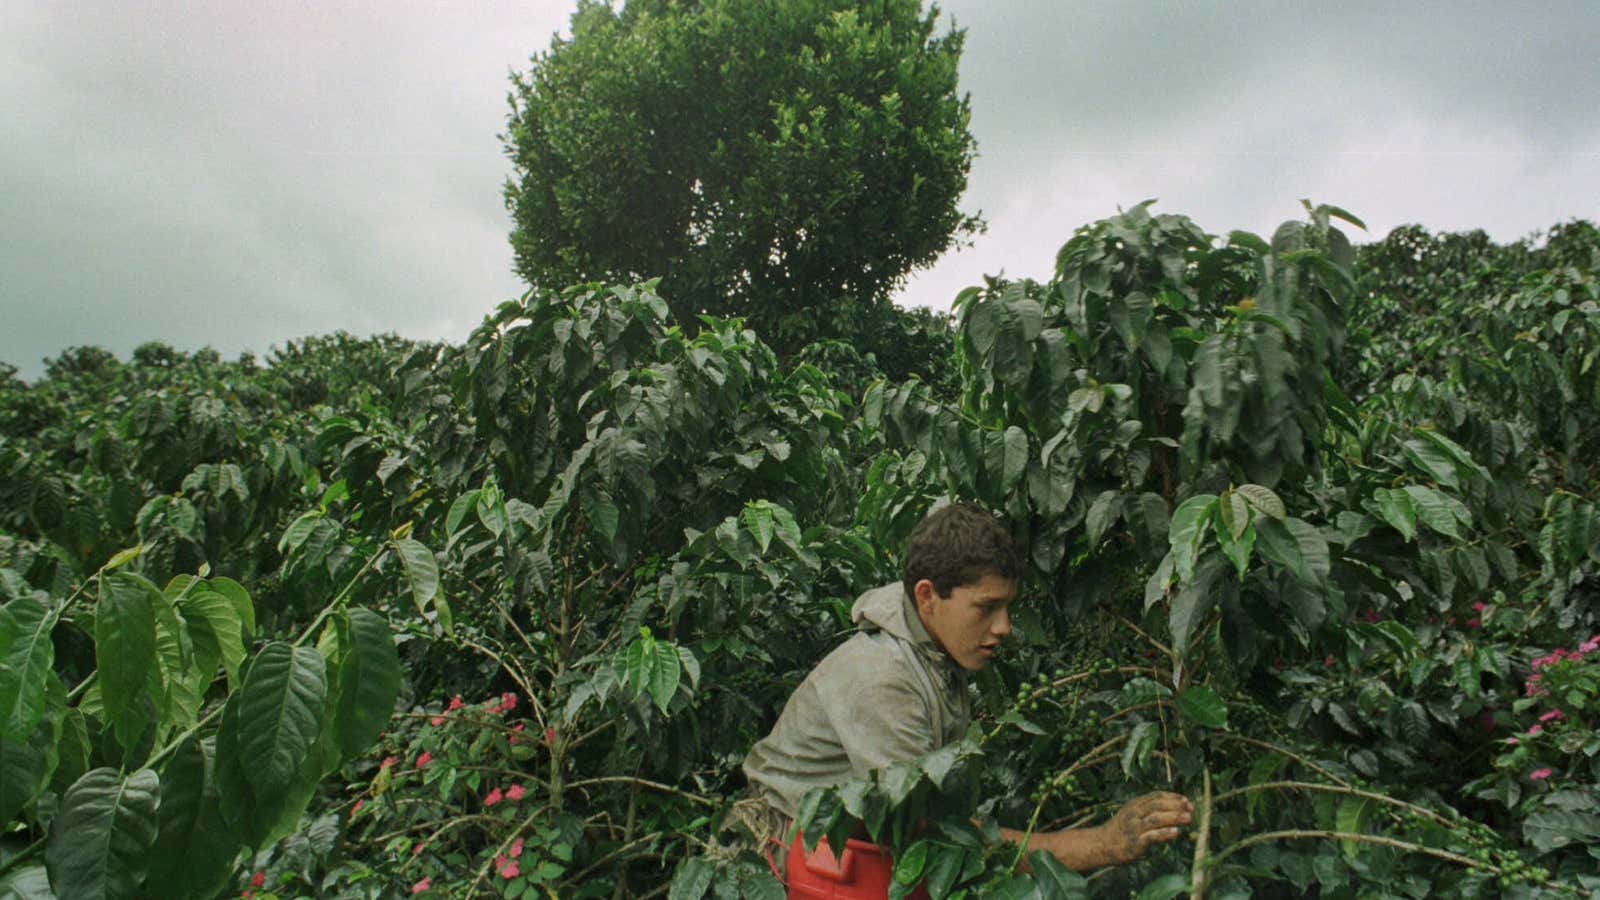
971,621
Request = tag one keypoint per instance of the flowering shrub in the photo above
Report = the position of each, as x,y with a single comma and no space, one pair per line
1560,743
462,815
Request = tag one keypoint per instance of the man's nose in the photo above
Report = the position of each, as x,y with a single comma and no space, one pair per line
1002,624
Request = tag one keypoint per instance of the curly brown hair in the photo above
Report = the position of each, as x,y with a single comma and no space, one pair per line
958,544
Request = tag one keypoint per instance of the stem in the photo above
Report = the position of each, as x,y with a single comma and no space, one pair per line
1333,789
1202,841
1352,836
641,782
26,852
1282,752
1160,701
338,600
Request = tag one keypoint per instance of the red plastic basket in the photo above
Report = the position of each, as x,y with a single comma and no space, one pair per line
863,871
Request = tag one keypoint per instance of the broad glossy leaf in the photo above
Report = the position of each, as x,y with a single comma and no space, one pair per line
219,616
369,682
1233,513
280,712
1102,514
125,651
27,883
1016,458
1203,706
1193,603
692,880
1433,509
1552,829
1432,462
1056,881
99,844
463,506
665,673
757,519
1352,818
194,851
240,598
421,571
1189,522
1263,499
27,764
1167,886
909,866
943,869
26,657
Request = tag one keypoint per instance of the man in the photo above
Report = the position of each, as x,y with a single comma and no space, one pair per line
897,689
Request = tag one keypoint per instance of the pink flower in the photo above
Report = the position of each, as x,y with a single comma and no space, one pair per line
417,849
258,879
1552,714
1328,660
493,797
357,808
455,703
549,735
436,720
1474,622
246,894
388,761
1535,729
1480,606
422,885
1371,615
424,758
508,701
516,849
515,792
514,732
510,870
1513,741
1538,774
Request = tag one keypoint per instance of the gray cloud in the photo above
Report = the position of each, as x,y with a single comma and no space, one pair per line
241,174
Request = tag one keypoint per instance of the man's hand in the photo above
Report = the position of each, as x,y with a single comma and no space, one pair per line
1152,819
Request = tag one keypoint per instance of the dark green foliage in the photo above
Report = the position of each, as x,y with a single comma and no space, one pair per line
787,162
1305,523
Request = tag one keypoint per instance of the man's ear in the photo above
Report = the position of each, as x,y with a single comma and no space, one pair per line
924,593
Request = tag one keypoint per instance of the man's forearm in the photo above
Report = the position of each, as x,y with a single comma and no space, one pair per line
1079,849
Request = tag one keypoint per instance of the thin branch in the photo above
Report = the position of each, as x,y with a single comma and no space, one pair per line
645,839
1334,789
1202,841
641,782
1353,836
1290,754
1159,701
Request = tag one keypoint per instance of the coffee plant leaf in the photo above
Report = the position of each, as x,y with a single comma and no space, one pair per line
194,849
368,682
280,713
27,655
100,841
125,652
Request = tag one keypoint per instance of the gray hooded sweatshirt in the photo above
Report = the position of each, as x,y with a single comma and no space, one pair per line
889,693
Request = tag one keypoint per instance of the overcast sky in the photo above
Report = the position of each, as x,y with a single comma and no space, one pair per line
238,174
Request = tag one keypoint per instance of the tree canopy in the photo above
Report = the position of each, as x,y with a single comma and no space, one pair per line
790,162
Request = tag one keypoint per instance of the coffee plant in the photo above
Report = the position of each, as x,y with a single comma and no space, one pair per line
1311,527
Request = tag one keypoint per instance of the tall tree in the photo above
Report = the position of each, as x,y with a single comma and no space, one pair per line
786,160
